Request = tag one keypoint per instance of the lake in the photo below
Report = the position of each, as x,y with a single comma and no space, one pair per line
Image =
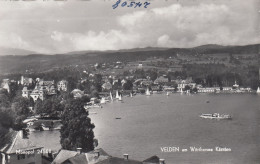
149,124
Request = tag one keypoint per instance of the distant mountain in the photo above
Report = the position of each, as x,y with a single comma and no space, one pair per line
39,62
213,48
113,51
14,51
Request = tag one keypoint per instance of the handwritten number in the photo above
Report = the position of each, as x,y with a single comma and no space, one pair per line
123,4
131,4
139,4
116,4
146,4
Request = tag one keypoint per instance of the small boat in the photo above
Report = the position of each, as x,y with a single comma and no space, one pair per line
102,101
111,97
258,90
117,94
131,95
181,90
96,106
120,98
118,118
92,112
44,127
207,101
216,116
148,93
167,94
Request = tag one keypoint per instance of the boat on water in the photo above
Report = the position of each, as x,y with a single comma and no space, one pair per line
103,100
131,95
120,98
216,116
181,90
258,90
117,94
111,97
167,94
148,93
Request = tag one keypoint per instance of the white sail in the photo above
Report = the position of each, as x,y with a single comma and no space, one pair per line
147,92
117,95
102,101
131,95
111,96
181,90
167,94
258,90
120,98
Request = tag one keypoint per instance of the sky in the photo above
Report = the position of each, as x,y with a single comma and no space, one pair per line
48,26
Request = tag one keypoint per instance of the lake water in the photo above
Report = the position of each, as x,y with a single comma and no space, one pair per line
149,123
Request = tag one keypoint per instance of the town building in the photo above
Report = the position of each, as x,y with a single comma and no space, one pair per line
42,89
208,90
19,150
79,157
38,93
99,156
25,81
154,160
48,86
62,85
5,84
161,80
26,93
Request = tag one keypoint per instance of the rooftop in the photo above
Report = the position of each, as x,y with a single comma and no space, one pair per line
17,142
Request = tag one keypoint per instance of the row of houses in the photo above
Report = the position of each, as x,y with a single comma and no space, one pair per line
43,88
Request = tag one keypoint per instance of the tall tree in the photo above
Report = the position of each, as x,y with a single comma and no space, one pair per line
6,122
77,129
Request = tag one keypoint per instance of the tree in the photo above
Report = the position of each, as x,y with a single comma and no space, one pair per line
128,85
52,107
186,88
77,129
38,106
4,100
21,106
6,122
153,75
72,83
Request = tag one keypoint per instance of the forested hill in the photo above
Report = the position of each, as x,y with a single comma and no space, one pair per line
40,62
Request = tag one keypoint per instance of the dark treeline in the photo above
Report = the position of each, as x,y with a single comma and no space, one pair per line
220,75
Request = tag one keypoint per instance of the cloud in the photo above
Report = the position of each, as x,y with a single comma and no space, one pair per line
175,25
164,41
185,26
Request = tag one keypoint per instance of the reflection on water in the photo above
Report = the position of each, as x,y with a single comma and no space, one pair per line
149,123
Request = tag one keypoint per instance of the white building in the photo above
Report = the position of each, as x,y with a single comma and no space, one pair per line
62,85
25,92
19,150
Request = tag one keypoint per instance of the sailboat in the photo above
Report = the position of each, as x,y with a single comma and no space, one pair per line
102,101
111,96
131,95
167,94
258,90
120,98
147,92
117,95
181,90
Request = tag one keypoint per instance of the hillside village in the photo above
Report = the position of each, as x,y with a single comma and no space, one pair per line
36,101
